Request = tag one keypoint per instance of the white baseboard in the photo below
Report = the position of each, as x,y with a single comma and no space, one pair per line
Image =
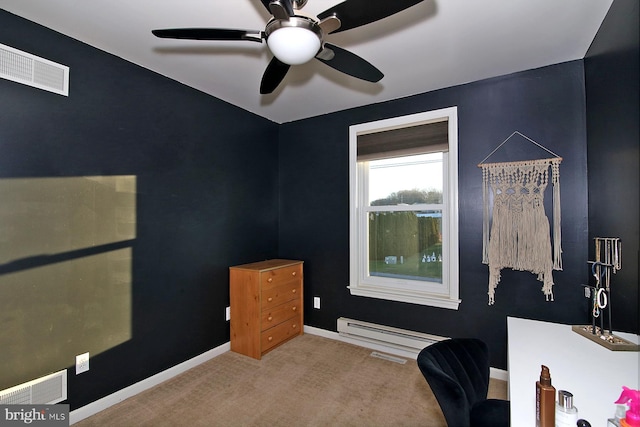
120,395
499,374
127,392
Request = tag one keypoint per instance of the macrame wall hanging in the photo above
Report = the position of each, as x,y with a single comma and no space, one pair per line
519,234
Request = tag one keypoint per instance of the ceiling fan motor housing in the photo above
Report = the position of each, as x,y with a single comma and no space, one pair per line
299,4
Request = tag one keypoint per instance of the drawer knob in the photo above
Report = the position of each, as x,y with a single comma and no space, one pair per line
294,273
294,326
270,279
294,308
270,339
293,290
269,299
270,318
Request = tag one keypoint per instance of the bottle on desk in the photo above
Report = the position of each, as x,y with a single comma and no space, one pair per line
632,398
566,413
615,421
545,400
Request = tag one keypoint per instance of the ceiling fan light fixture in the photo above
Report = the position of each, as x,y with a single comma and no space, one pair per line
294,41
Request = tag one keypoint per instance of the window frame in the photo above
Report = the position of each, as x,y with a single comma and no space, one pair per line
361,284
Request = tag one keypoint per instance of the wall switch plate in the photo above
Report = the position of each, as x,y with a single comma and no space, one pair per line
82,363
227,313
316,302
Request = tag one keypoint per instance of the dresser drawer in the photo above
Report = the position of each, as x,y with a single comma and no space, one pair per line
275,296
279,314
277,277
280,333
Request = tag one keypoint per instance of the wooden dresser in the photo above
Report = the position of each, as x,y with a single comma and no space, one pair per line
266,305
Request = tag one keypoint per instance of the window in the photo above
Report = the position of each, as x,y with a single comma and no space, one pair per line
404,209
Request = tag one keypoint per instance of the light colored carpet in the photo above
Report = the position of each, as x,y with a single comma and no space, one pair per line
309,381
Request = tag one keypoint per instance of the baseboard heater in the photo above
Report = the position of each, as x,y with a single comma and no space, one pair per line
46,390
402,339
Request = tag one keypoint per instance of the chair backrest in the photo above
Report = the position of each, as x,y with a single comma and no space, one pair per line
457,371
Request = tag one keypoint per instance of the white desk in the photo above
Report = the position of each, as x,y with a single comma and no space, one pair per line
594,374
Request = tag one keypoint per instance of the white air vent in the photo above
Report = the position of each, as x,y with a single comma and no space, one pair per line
46,390
402,339
22,67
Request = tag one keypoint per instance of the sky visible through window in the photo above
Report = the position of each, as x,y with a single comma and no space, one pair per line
421,172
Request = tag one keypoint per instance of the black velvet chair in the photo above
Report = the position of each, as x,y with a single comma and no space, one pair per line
457,371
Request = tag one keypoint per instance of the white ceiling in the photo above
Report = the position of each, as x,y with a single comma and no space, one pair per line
435,44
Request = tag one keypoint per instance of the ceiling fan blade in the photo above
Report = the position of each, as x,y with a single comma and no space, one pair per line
349,63
209,34
355,13
273,75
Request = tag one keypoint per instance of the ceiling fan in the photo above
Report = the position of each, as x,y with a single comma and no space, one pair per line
295,39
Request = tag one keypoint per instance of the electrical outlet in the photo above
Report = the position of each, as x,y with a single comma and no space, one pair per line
316,302
82,363
227,313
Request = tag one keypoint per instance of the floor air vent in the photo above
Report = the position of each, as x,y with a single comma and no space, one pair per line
388,357
409,341
47,390
22,67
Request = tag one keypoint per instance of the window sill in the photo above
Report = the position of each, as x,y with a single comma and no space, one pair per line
406,296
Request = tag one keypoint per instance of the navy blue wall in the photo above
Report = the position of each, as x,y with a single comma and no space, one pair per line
206,188
546,104
613,107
